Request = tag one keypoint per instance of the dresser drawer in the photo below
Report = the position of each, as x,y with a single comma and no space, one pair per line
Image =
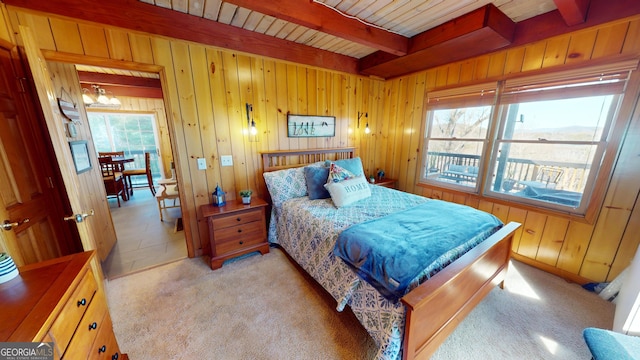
93,322
105,347
66,323
236,219
238,237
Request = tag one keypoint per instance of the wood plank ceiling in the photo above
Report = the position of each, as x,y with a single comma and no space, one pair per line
383,38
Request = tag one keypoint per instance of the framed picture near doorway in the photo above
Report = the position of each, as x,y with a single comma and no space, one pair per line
80,155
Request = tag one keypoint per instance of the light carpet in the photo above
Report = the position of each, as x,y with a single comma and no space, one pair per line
263,307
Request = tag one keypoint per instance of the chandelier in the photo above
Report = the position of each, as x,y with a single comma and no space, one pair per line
99,98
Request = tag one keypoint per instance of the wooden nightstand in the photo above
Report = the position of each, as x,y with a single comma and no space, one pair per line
236,229
386,182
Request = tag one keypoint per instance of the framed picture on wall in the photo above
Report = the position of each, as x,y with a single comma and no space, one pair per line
311,126
80,154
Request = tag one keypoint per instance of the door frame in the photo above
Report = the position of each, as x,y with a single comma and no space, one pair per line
55,56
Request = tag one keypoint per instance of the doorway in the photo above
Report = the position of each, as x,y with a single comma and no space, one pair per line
135,124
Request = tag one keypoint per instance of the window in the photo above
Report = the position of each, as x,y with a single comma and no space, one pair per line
551,133
133,133
457,131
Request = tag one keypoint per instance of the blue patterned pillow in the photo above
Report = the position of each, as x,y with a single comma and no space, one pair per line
285,184
316,177
337,173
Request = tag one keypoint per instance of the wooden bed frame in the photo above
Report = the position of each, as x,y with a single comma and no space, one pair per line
437,306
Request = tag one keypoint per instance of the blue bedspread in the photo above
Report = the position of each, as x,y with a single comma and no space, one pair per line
391,251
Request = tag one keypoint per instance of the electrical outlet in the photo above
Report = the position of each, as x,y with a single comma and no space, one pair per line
202,164
226,160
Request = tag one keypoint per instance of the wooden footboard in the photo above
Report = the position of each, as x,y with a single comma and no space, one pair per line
436,307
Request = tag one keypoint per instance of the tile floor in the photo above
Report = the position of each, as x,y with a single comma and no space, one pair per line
143,240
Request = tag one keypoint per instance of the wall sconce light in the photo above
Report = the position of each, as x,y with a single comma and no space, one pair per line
366,115
99,98
251,124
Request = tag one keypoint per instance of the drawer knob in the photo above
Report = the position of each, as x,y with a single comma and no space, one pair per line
82,302
241,242
115,356
239,230
93,326
102,349
239,219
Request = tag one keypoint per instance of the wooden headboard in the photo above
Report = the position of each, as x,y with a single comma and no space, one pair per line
285,159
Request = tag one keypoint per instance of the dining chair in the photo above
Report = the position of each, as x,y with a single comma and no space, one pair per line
111,154
113,179
168,191
128,173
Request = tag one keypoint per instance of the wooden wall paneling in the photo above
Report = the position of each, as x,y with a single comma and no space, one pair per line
628,245
610,40
481,70
453,74
359,103
467,70
94,41
519,216
447,196
501,211
291,89
533,230
282,104
239,140
472,201
514,59
66,36
632,40
40,26
581,46
436,194
486,206
390,127
379,134
162,56
554,233
556,51
342,111
604,243
301,99
496,64
206,124
415,154
270,128
533,56
312,101
575,246
459,198
219,121
260,102
118,42
442,76
403,123
140,48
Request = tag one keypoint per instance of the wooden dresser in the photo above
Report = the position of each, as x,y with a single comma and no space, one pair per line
59,301
236,229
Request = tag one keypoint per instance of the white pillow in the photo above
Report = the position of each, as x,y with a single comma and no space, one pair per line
349,191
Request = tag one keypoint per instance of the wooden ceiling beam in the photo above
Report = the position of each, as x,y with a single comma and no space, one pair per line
321,18
129,91
138,16
573,12
118,80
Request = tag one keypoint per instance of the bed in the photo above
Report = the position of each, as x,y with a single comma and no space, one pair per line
430,306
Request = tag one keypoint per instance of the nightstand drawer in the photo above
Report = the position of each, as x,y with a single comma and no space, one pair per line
238,237
105,347
236,219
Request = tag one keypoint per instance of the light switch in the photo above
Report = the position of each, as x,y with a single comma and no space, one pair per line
202,164
226,160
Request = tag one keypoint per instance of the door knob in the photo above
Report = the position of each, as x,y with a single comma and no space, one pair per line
80,217
8,225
